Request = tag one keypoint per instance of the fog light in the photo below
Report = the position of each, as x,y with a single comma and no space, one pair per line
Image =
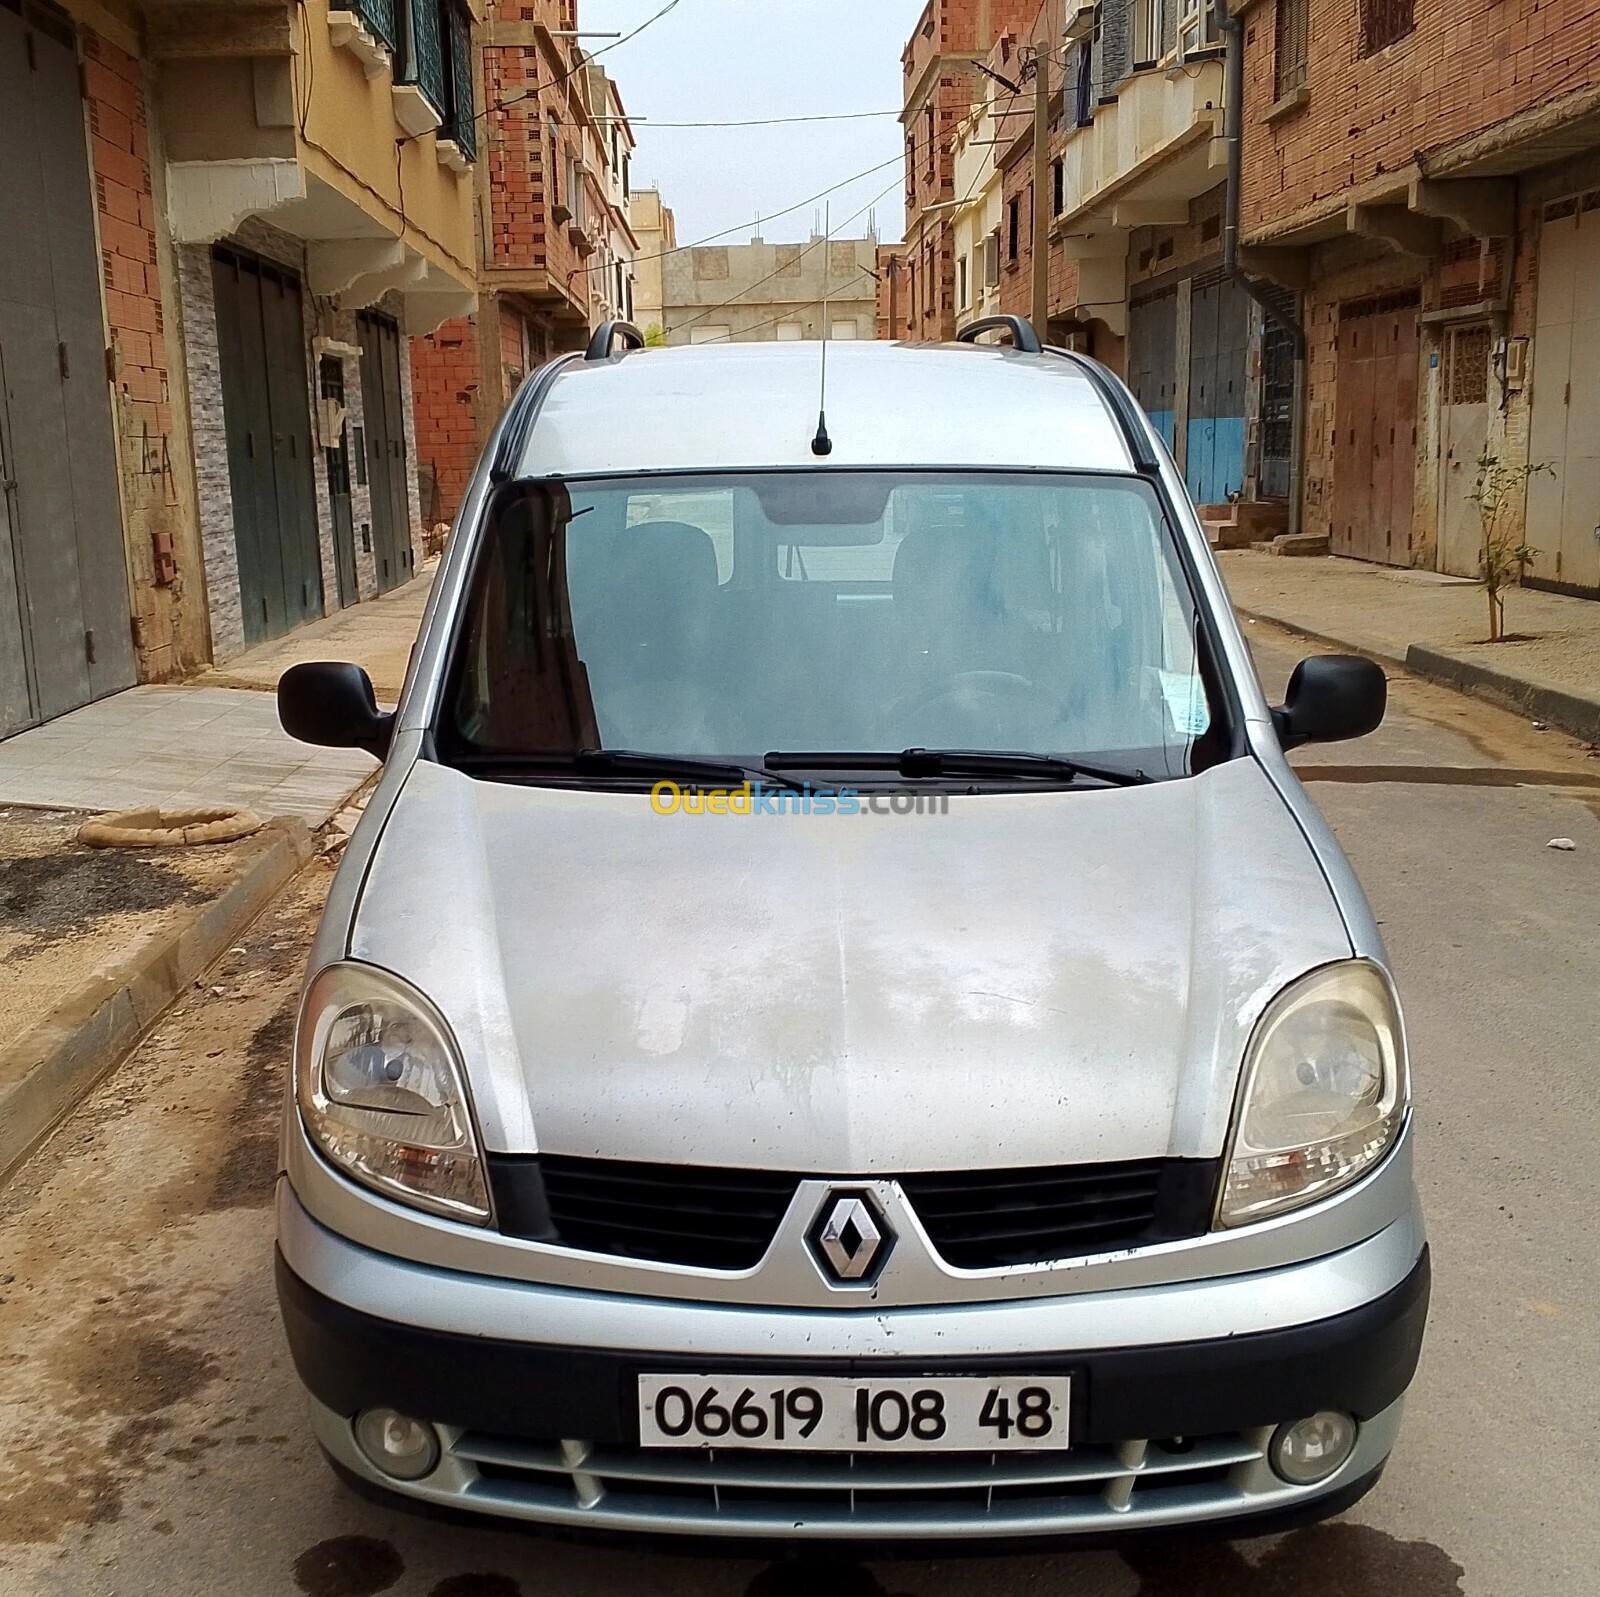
399,1446
1310,1450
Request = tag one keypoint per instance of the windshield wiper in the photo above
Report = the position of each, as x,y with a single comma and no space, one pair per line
624,763
956,762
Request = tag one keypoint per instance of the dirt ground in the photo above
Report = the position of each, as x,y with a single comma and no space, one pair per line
67,911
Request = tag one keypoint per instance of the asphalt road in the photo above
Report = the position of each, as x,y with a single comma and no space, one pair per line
153,1438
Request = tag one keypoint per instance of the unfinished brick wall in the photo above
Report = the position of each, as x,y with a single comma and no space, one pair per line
525,180
166,586
1465,66
946,30
444,370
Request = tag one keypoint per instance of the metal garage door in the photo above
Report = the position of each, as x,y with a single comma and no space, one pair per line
1277,395
383,414
1564,510
1219,340
262,344
65,635
1375,443
1153,360
1463,429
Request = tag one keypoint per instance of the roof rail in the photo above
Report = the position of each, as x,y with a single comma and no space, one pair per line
607,334
1023,336
1123,411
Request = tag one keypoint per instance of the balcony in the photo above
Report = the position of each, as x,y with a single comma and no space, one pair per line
235,145
1139,163
1158,144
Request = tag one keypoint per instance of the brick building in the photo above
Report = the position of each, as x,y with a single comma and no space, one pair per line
556,253
220,227
1426,178
939,68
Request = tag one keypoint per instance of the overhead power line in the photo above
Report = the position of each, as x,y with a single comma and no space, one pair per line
585,58
766,216
649,122
804,250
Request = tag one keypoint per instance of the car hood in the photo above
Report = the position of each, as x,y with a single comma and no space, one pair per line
1037,978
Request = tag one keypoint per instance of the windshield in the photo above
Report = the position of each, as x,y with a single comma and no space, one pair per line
733,616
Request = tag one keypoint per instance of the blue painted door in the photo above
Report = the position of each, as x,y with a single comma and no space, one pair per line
1219,324
1152,359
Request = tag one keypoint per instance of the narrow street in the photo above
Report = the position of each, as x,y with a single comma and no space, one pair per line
155,1439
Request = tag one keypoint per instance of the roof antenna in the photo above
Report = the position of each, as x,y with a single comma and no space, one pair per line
822,444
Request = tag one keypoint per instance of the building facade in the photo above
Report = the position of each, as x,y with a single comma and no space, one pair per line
1416,289
718,293
222,226
1426,180
655,229
976,216
939,68
555,252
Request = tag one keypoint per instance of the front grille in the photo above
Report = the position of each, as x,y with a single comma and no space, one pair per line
675,1214
862,1493
718,1219
984,1219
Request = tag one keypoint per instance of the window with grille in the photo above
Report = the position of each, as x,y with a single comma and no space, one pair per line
1383,22
1198,26
554,175
1058,188
575,189
1013,226
461,125
425,61
1146,32
963,299
381,17
1081,75
1289,49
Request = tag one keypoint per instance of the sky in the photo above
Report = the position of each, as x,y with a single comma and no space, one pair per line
722,59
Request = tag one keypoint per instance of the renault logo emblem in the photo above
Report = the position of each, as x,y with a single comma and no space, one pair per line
850,1238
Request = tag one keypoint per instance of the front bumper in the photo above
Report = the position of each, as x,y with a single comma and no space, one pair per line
533,1390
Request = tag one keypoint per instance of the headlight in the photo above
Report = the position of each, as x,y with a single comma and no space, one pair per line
1322,1094
383,1094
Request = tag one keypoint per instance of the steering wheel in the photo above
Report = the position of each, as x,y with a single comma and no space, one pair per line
973,695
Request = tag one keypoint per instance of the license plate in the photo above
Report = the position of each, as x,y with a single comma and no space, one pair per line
985,1414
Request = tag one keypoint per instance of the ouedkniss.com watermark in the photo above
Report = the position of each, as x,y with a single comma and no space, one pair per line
757,798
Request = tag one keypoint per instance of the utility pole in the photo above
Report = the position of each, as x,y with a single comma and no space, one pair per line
1041,182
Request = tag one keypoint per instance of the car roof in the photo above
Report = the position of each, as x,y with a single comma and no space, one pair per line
741,406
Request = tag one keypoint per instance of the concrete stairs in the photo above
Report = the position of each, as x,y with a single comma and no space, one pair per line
1243,524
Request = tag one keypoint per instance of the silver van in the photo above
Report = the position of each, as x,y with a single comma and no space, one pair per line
666,1155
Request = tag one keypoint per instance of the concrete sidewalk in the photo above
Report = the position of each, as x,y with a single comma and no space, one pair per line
376,635
1435,626
94,945
208,743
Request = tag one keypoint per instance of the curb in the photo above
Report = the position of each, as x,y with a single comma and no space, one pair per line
47,1070
1327,640
1568,712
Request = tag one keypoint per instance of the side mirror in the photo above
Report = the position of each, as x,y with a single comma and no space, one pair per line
332,703
1331,697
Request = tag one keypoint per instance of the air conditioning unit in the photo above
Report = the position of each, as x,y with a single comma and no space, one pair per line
1080,20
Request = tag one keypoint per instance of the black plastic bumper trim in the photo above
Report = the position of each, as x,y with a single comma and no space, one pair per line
1360,1362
